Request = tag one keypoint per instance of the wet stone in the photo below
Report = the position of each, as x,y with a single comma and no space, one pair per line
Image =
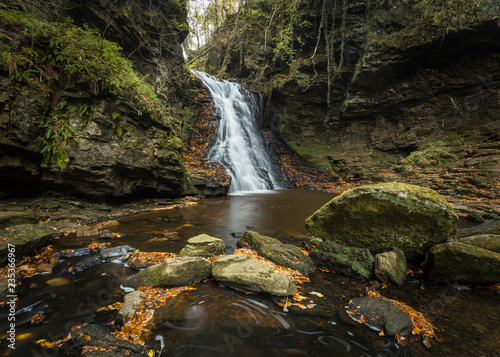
116,252
381,314
87,263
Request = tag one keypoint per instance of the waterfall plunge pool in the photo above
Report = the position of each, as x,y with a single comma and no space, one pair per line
217,321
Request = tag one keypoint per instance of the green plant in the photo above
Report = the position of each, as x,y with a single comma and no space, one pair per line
433,154
60,48
57,134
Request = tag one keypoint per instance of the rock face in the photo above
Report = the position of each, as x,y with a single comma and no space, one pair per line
279,253
203,245
26,238
350,261
382,314
391,267
380,217
462,262
179,271
401,78
242,272
116,150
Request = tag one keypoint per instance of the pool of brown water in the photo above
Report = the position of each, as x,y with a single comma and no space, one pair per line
216,321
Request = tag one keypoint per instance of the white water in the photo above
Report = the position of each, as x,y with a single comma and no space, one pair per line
239,146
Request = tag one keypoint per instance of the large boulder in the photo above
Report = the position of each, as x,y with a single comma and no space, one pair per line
26,238
242,272
456,261
381,314
286,255
180,271
203,245
391,267
350,261
382,216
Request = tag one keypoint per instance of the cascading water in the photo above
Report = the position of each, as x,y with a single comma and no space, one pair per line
239,146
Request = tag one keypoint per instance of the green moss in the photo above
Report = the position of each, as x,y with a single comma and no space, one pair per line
383,216
60,49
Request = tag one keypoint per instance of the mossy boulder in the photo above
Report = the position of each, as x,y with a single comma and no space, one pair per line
382,216
242,272
456,261
180,271
203,245
350,261
26,238
279,253
391,267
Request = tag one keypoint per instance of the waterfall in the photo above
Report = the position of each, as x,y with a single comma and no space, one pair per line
239,146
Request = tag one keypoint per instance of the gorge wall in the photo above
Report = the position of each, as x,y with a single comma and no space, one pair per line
75,116
357,86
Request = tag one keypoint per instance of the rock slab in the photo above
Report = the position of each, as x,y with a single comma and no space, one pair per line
26,238
242,272
180,271
279,253
456,261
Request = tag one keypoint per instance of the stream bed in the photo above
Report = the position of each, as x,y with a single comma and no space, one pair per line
217,321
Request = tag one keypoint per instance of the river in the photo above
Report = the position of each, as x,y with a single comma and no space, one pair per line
216,321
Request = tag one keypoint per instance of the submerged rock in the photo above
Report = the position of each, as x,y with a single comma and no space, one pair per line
391,267
279,253
456,261
180,271
116,252
105,343
26,238
87,263
350,261
203,245
382,216
242,272
381,314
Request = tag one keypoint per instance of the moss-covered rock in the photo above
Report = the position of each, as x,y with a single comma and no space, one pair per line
485,241
180,271
391,267
203,245
279,253
26,238
456,261
350,261
382,216
12,218
242,272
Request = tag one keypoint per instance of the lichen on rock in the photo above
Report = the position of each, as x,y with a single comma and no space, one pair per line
382,216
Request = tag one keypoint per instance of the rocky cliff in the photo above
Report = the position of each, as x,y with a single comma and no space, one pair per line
357,86
92,96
